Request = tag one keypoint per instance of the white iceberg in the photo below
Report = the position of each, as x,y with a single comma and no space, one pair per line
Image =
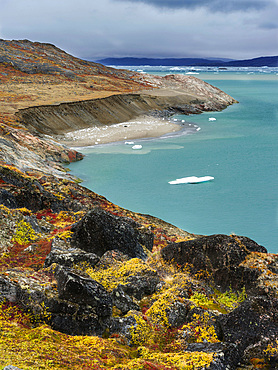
136,147
212,119
191,180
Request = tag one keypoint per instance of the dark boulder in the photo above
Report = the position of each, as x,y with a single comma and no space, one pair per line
81,306
8,290
123,301
100,231
123,326
139,286
7,199
219,255
253,319
251,326
83,290
177,313
71,258
226,355
62,254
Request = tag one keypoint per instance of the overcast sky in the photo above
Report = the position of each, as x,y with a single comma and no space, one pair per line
93,29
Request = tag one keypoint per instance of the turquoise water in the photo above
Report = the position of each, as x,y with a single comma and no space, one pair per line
239,150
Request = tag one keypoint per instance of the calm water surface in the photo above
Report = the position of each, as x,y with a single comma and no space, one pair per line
239,150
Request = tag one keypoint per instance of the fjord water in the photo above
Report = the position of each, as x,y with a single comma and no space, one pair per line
239,149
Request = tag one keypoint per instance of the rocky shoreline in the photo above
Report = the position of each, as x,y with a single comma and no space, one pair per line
87,284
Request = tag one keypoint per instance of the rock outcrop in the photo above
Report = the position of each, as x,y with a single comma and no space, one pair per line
99,231
219,256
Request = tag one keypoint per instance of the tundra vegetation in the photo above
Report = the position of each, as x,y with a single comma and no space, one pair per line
87,284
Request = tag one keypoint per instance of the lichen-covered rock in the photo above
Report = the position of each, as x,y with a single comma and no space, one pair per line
139,286
177,313
100,231
218,255
62,254
123,301
84,290
8,290
80,306
122,326
71,258
254,318
251,326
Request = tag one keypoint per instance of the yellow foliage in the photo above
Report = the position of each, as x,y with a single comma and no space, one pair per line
183,360
24,233
141,332
272,349
199,330
110,278
222,302
158,312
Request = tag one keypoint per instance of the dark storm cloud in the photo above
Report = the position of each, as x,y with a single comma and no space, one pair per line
215,5
238,29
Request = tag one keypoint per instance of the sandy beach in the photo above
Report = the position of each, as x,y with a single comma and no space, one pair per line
138,128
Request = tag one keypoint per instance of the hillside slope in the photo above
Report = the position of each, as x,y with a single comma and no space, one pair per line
85,284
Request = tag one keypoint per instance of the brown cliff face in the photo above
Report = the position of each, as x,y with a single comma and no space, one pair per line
184,94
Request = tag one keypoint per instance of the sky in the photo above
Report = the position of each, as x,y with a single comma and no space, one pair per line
95,29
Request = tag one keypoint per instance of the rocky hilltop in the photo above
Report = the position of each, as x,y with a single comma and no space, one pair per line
87,284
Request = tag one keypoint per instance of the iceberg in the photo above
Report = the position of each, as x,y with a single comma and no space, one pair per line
137,147
212,119
191,180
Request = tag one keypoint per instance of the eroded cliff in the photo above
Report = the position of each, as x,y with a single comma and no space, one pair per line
184,94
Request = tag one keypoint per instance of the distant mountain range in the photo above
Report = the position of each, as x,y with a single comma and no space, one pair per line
271,61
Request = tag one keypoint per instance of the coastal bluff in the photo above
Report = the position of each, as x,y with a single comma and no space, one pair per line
87,284
177,94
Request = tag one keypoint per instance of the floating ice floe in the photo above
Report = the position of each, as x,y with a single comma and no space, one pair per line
136,147
212,119
129,142
191,180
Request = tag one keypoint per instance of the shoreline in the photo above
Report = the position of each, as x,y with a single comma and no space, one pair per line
142,127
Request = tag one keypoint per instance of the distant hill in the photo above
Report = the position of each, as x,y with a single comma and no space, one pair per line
256,62
271,61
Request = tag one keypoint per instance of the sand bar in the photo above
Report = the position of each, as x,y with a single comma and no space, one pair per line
138,128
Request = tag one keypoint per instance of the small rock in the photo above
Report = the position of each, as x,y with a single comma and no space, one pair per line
122,301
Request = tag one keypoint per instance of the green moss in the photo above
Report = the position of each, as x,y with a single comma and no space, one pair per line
222,302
